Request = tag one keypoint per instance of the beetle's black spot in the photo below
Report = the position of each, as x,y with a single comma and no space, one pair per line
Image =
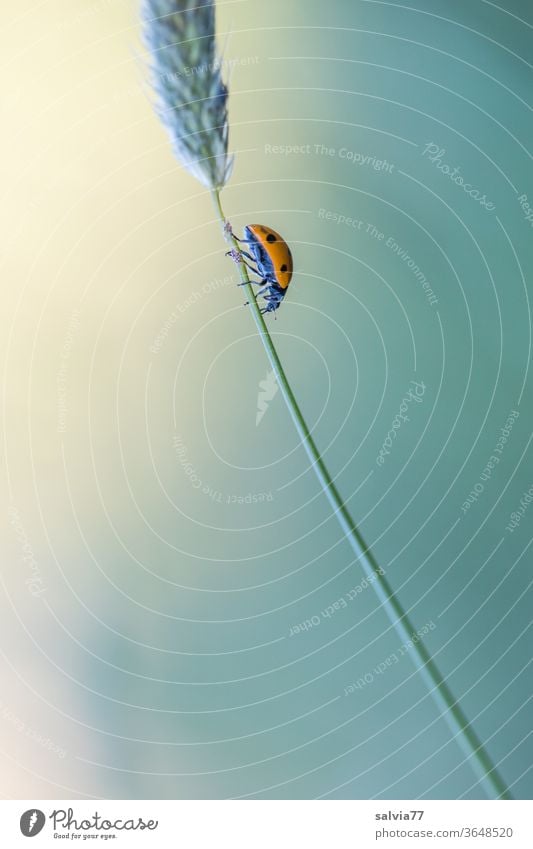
271,237
283,268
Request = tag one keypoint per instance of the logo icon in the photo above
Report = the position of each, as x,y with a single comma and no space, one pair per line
267,390
32,822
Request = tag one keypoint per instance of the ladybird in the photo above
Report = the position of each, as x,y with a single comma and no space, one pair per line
273,263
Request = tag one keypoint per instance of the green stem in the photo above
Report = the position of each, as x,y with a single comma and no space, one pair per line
448,705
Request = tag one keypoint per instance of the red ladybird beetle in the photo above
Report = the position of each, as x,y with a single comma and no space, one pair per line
273,263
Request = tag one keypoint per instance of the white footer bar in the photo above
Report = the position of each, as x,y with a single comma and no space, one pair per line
267,824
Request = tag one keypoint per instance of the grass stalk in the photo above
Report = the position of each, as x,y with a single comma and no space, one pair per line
192,100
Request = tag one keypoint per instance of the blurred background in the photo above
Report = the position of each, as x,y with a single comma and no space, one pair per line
181,616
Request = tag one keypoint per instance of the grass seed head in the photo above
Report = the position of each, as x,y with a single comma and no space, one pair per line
186,74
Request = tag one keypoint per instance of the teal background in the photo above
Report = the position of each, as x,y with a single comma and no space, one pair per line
158,656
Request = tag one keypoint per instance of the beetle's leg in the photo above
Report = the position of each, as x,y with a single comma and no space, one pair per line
248,256
274,302
237,258
255,271
252,268
255,282
234,252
